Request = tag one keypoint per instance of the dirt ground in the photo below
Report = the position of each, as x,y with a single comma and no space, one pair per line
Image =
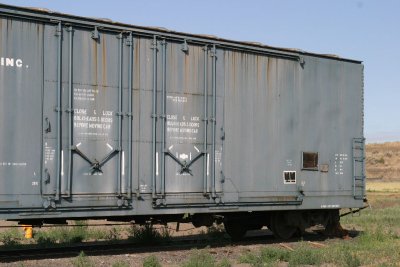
170,258
167,258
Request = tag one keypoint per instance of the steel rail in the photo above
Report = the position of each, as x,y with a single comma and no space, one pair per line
123,247
262,237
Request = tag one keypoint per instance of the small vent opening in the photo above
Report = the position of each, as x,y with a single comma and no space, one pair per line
310,161
289,177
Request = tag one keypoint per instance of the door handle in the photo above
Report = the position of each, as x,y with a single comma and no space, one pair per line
47,128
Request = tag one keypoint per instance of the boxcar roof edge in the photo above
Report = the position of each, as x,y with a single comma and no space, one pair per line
51,16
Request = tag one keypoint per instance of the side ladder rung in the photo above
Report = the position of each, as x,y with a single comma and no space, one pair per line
359,159
358,156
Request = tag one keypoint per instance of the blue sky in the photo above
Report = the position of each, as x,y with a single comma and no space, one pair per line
366,30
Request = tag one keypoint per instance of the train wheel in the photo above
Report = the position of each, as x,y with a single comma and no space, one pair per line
333,227
269,223
235,229
280,227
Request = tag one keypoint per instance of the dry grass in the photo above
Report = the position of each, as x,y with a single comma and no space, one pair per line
383,160
393,187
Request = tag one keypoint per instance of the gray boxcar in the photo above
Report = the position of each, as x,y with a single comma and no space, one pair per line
106,120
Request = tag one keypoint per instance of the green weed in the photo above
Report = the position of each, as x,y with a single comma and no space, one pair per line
63,235
151,261
11,237
268,256
200,258
305,255
82,261
146,234
224,263
216,231
120,264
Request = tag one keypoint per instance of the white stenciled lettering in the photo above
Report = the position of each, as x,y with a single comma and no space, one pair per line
180,128
10,62
49,153
340,160
85,94
172,123
18,63
189,124
82,121
81,125
188,130
172,117
177,99
106,120
80,111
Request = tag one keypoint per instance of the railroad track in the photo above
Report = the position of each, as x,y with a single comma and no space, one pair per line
125,247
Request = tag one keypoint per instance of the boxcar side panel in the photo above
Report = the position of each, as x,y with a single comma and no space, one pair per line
105,121
21,52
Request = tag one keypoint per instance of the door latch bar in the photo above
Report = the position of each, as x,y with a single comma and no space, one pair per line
185,166
95,164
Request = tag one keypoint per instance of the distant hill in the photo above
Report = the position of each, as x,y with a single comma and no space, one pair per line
383,160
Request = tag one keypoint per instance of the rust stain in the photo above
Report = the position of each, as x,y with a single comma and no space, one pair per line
272,79
1,30
136,64
269,70
9,28
172,65
95,67
186,71
233,71
9,24
103,59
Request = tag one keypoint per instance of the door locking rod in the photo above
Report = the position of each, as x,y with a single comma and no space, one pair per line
95,164
185,166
